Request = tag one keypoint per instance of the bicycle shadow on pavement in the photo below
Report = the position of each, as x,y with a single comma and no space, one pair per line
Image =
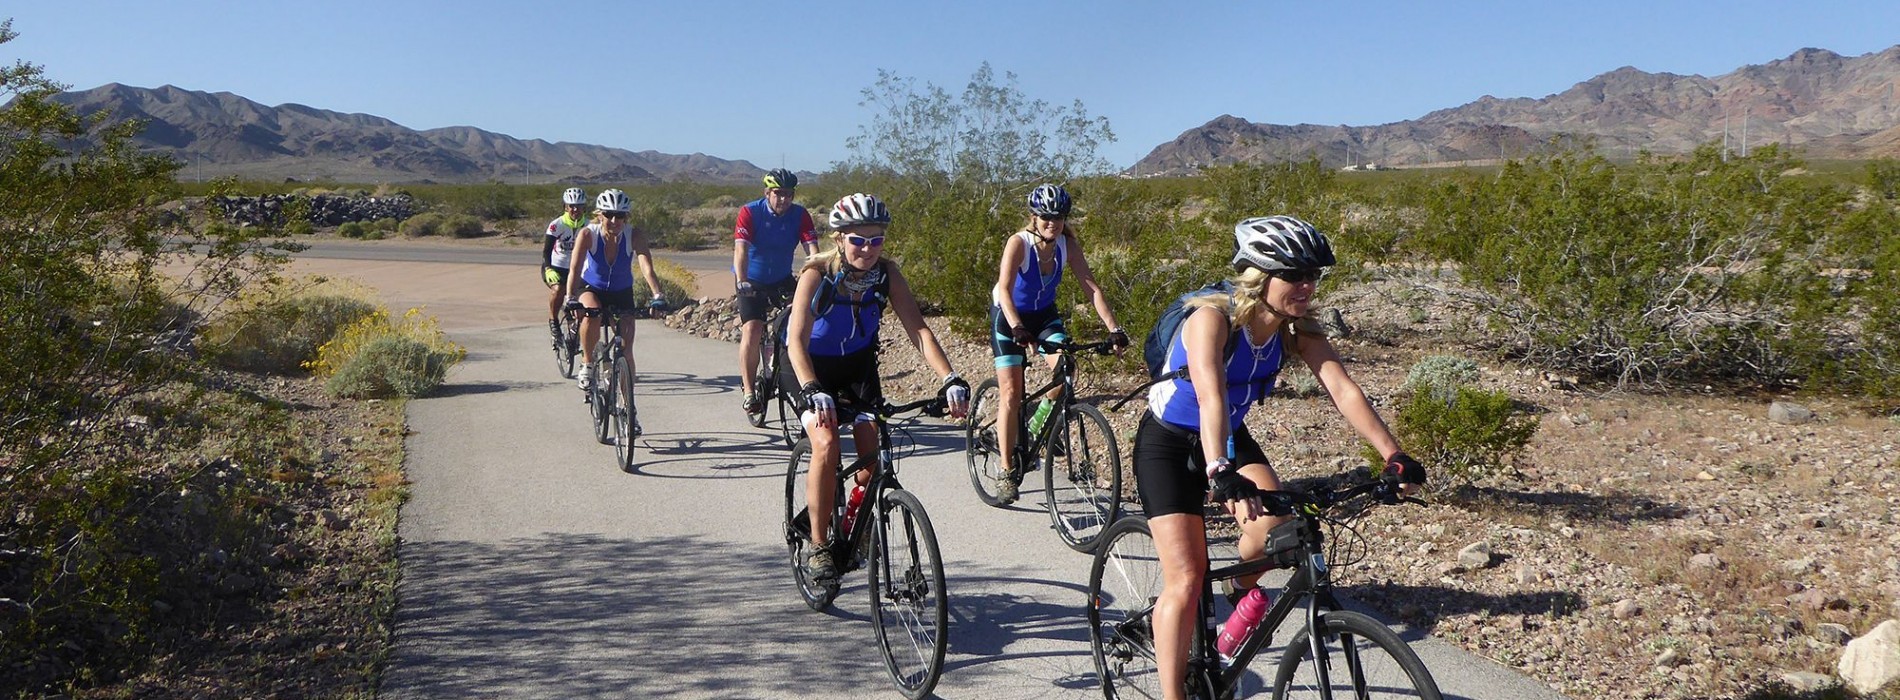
681,384
715,455
568,615
993,621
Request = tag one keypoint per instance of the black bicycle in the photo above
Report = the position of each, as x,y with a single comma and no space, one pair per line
610,401
772,379
1076,451
566,340
890,536
1337,653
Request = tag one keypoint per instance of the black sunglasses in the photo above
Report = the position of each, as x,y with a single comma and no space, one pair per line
615,215
1301,276
1050,217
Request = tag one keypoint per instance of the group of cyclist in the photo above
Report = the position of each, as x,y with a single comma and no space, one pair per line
600,274
1191,441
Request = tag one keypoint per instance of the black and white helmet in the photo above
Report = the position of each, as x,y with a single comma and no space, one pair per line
613,201
574,197
1274,243
1050,200
859,209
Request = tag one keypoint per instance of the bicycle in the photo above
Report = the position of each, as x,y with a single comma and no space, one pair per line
610,401
769,380
1076,451
567,340
1353,655
891,538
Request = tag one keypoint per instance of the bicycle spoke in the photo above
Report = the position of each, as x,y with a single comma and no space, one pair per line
1359,658
907,597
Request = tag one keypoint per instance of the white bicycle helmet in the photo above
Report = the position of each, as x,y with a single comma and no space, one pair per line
1274,243
859,209
574,197
613,201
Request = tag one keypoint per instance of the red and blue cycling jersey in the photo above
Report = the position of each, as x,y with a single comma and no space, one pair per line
773,237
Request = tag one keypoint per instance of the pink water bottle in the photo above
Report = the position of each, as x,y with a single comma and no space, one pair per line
851,509
1247,614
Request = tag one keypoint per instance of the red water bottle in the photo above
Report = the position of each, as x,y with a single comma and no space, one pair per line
851,509
1247,614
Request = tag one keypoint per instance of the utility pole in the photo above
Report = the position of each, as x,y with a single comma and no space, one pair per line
1744,131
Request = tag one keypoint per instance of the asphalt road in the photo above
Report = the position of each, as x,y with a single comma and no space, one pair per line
533,568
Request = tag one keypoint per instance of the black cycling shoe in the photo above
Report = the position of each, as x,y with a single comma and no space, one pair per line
820,566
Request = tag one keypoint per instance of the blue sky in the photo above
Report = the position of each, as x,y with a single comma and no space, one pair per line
778,83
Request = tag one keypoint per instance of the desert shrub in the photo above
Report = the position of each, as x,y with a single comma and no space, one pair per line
662,227
378,357
460,226
384,226
1469,437
1441,375
729,201
351,229
678,284
1298,381
426,224
299,227
276,330
1697,267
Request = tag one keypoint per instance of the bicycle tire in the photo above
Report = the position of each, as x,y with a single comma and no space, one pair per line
765,377
980,446
603,396
625,417
1365,659
1124,583
563,354
907,593
817,595
1082,486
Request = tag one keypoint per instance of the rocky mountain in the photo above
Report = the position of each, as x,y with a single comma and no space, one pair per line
219,133
1816,100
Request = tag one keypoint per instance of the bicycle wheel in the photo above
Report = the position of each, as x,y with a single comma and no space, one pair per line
981,451
765,379
1082,480
597,397
563,352
626,420
1361,659
907,597
1124,583
817,595
604,396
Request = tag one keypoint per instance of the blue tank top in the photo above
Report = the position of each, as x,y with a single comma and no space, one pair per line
1250,377
1033,290
845,326
611,277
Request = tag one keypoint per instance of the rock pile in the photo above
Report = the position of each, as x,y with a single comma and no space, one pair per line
321,210
711,318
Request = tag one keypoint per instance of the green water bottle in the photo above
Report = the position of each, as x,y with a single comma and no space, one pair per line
1041,416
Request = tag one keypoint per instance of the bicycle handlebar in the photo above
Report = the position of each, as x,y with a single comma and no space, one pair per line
1100,347
1385,490
932,406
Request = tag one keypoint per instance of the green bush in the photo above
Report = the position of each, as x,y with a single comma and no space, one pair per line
1470,437
1441,375
299,227
384,225
678,284
460,226
426,224
278,336
351,229
390,366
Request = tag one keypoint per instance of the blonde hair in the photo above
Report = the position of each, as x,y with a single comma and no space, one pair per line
1068,228
1248,302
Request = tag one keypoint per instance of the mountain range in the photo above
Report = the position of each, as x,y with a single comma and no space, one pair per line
1814,100
219,133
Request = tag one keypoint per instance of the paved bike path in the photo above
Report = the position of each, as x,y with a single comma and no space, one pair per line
534,568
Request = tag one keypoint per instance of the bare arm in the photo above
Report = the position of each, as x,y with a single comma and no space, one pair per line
1351,400
1203,335
643,256
739,261
905,306
798,328
583,241
1006,279
1085,277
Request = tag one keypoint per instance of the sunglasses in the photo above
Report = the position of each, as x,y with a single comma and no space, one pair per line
615,215
1049,217
863,242
1311,274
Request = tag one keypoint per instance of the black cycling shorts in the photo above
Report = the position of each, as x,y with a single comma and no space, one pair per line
621,299
1046,324
852,380
765,297
1171,474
